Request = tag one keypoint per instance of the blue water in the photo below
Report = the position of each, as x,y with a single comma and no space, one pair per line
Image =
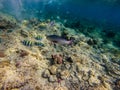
102,11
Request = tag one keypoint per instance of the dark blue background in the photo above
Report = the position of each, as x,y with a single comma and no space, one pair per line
96,10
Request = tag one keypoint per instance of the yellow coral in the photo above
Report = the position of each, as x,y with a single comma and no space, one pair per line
42,25
25,22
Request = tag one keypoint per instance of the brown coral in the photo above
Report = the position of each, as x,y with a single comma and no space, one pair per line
2,54
23,53
57,59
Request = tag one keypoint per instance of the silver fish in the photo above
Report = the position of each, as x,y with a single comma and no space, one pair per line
58,39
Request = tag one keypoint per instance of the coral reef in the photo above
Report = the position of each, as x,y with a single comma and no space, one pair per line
29,61
7,22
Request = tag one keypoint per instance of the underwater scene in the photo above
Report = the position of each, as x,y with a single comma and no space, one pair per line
59,44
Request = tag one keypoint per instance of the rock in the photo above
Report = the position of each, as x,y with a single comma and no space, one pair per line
84,59
69,59
53,69
103,78
23,53
4,24
78,67
85,76
52,78
113,69
24,33
105,59
4,63
2,54
79,76
65,74
74,85
100,87
115,60
25,22
18,64
118,83
107,85
93,81
92,42
42,25
67,66
61,88
46,74
91,73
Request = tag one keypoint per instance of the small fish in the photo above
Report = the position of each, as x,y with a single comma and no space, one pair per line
38,37
52,23
39,44
27,43
58,39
